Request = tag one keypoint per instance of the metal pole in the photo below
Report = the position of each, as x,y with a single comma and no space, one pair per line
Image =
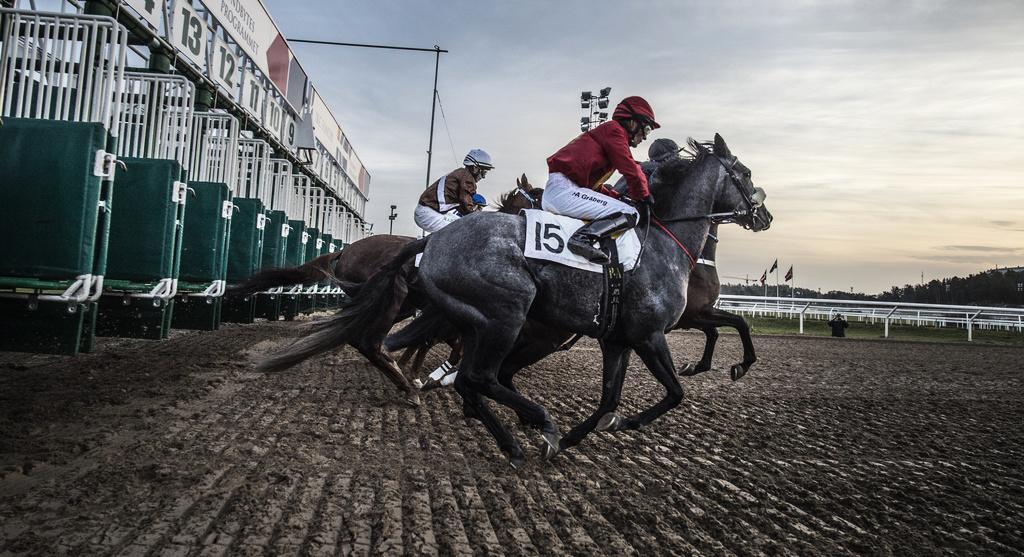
433,108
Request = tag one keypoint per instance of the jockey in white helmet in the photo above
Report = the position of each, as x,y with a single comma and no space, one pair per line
454,194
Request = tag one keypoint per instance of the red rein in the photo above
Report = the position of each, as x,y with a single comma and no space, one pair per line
693,262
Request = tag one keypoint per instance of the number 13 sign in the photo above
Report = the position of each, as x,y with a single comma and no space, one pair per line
189,33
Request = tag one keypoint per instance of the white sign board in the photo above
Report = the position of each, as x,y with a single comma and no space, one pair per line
150,10
226,70
189,33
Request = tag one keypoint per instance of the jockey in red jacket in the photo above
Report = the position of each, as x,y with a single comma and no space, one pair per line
585,164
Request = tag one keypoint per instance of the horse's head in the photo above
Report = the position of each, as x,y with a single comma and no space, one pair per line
738,194
525,196
727,186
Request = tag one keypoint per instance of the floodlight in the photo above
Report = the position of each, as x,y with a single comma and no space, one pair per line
606,91
586,95
585,120
583,128
585,104
602,102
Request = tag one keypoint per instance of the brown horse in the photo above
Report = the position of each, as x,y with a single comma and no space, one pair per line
353,265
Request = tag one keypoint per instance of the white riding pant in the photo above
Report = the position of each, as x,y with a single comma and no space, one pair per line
432,221
563,197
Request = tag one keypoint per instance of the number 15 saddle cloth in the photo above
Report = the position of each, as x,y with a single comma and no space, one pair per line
547,237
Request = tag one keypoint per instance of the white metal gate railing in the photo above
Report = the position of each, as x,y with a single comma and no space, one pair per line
214,153
253,170
282,193
156,117
935,315
61,66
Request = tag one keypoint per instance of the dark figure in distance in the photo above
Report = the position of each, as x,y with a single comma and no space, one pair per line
839,325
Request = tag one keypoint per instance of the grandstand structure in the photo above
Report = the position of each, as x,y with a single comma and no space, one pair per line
152,154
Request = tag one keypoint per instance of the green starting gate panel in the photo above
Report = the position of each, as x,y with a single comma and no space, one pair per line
275,240
144,249
244,257
203,256
51,197
54,194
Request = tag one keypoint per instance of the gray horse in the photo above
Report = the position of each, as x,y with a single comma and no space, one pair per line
489,295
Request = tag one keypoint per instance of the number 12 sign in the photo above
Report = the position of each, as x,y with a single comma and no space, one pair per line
225,68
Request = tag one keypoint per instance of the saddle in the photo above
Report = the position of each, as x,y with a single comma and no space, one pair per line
547,237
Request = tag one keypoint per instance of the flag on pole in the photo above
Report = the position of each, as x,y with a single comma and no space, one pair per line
774,266
789,274
764,278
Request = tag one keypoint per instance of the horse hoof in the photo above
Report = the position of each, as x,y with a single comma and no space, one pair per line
688,370
429,385
609,422
737,372
516,461
552,445
417,384
413,399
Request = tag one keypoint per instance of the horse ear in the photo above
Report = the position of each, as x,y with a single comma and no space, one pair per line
526,183
519,182
721,149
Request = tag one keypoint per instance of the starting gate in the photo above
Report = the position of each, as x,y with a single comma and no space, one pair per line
59,80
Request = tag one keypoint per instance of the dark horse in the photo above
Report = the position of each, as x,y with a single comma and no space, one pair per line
489,297
537,341
355,264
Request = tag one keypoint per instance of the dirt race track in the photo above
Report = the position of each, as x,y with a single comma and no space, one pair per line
828,446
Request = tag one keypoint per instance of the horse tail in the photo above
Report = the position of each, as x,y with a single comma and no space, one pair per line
312,271
430,326
367,315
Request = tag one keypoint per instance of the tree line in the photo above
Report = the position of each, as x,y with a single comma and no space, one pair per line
990,288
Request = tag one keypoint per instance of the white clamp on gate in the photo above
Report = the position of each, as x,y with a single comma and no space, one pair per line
179,193
261,221
227,209
285,230
103,165
319,244
305,237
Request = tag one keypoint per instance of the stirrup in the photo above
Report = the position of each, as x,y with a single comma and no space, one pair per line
587,251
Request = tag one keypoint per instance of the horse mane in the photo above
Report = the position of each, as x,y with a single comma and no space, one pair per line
506,199
674,171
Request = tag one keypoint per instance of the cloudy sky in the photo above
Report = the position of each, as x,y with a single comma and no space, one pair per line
889,135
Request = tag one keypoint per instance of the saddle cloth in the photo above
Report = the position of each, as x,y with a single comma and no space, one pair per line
547,237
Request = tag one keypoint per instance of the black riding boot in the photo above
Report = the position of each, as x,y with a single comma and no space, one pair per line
582,241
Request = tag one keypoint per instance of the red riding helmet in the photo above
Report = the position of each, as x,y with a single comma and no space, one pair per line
637,108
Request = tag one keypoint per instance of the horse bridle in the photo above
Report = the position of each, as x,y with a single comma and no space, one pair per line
533,202
727,217
716,218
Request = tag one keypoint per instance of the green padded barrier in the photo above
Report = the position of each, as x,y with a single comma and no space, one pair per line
144,239
275,252
295,254
245,253
275,245
244,257
203,256
311,250
50,199
205,239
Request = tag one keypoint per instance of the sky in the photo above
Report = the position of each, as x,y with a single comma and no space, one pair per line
889,136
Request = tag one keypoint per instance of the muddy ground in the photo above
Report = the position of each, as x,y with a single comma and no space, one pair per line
828,446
